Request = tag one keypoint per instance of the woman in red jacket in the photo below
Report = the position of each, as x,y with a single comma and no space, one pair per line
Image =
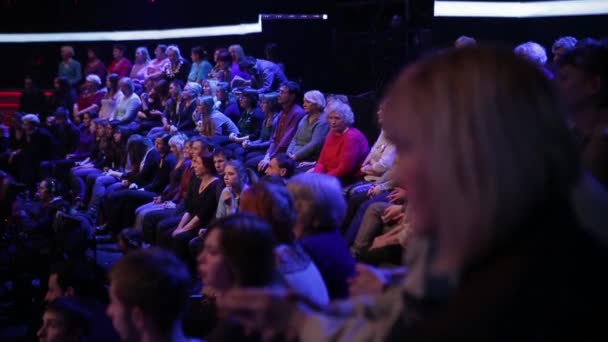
345,147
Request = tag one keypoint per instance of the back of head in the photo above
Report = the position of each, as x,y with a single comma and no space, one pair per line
592,59
247,243
273,203
488,136
154,280
287,163
319,201
533,52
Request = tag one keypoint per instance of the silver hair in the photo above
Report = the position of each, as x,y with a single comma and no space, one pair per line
178,140
93,79
533,52
128,82
343,110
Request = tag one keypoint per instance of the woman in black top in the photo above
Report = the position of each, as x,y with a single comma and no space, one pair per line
201,205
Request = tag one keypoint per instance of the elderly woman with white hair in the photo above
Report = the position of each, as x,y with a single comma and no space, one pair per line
345,147
306,145
90,98
320,209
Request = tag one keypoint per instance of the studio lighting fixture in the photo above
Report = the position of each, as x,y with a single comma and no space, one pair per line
535,9
214,31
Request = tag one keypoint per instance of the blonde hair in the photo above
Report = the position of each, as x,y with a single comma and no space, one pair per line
491,140
320,204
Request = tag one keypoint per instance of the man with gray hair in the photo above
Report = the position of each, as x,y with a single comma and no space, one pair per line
127,104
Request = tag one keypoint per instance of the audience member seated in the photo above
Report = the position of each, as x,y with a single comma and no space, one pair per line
170,111
384,226
158,64
32,98
63,95
255,150
237,54
122,204
35,219
102,157
140,65
158,221
170,195
118,152
287,122
69,67
281,166
64,320
37,146
220,158
177,68
153,104
113,93
223,100
236,180
249,124
312,131
238,252
67,143
274,204
265,75
89,100
200,68
221,71
149,291
212,123
65,133
345,148
583,73
376,170
127,104
320,209
94,65
200,207
120,64
83,282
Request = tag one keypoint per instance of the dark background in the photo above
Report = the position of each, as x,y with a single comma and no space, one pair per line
356,52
